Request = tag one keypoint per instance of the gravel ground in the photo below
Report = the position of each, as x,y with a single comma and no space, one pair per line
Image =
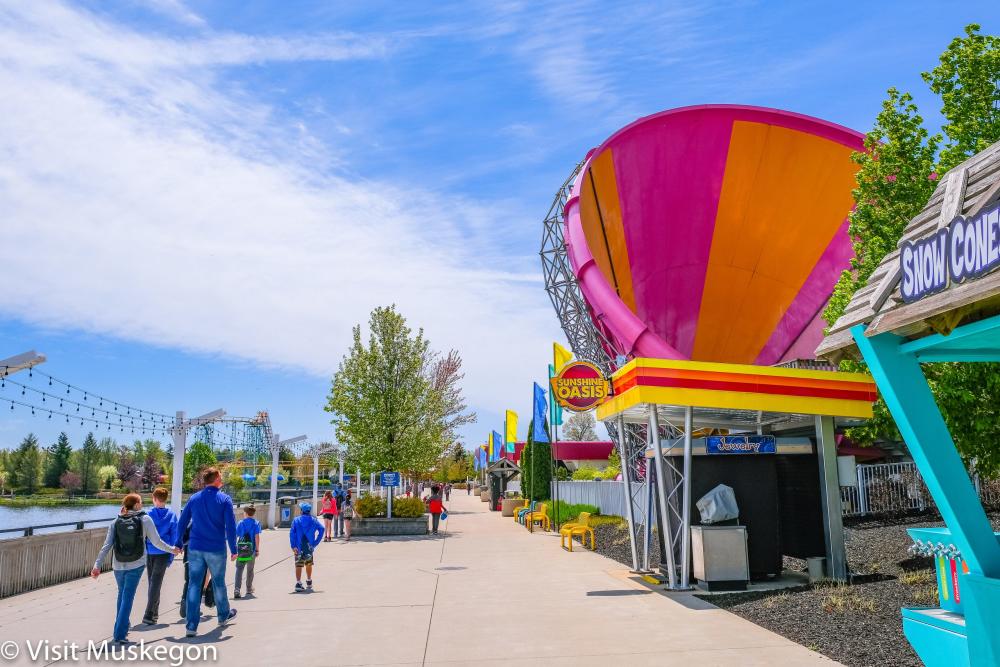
858,625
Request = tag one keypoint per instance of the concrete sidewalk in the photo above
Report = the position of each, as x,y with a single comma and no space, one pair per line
484,592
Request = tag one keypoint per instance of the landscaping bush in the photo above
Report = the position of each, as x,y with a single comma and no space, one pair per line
566,512
408,507
370,507
586,474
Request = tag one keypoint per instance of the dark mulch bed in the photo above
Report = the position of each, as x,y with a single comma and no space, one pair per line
858,625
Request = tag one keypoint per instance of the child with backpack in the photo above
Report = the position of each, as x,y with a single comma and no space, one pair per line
436,507
127,537
306,533
247,548
347,513
157,561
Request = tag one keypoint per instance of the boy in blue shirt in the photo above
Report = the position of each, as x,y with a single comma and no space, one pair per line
158,561
305,534
247,548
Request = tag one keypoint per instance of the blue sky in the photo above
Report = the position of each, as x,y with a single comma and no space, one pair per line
199,199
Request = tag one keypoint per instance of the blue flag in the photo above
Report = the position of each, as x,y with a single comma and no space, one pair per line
497,445
541,409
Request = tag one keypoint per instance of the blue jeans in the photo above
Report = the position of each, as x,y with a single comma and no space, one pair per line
128,581
215,563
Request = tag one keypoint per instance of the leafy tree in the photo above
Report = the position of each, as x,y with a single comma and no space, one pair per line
128,469
27,465
395,405
89,458
580,427
70,481
536,467
198,457
58,462
4,480
151,471
897,175
968,81
108,451
106,475
586,474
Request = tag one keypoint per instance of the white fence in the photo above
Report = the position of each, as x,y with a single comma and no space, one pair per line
898,487
607,496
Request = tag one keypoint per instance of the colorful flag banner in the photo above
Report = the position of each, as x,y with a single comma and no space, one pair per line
560,356
540,412
497,444
555,410
510,425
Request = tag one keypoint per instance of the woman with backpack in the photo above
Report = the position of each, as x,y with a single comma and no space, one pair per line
127,537
329,511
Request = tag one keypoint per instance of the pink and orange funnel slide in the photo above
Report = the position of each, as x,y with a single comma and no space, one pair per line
713,233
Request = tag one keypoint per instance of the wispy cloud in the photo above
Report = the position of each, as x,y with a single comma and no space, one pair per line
151,200
175,10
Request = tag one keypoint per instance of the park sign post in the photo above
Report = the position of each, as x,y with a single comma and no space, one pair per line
389,480
580,386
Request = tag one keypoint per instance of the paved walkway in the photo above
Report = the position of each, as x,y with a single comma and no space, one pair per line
486,592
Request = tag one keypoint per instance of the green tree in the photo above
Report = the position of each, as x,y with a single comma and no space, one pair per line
393,403
89,458
58,462
106,475
27,467
898,173
198,457
968,82
536,467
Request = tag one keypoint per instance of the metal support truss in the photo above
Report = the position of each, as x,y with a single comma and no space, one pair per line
674,499
591,343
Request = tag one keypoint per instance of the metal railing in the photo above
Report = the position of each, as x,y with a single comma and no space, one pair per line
898,487
78,525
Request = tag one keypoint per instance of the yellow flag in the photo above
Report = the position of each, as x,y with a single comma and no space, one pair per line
560,356
511,435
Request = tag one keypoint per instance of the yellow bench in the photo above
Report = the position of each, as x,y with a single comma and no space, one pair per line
540,515
579,528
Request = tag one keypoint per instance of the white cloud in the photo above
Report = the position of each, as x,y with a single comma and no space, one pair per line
176,10
144,198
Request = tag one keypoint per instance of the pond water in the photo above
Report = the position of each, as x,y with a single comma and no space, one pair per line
21,517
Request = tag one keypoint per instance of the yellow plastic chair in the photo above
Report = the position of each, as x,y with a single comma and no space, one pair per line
579,528
541,515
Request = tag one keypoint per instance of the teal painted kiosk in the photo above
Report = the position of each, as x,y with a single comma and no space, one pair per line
937,298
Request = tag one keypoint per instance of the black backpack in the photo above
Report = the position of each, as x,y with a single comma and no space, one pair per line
130,541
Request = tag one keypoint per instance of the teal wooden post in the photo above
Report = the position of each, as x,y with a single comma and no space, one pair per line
909,399
904,388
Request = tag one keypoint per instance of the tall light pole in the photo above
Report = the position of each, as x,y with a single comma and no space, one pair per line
315,452
179,433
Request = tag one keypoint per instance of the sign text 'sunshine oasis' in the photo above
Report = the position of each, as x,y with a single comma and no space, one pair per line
967,248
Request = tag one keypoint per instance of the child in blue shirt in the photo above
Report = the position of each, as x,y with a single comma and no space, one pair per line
305,534
247,548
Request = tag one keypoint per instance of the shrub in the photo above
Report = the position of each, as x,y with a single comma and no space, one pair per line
609,520
408,507
567,512
586,474
370,507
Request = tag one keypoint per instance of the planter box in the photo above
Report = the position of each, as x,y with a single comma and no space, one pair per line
389,527
485,496
509,505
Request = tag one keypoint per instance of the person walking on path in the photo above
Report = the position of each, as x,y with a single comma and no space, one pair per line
247,549
468,488
158,560
127,537
347,513
329,511
338,520
447,492
213,526
435,506
305,535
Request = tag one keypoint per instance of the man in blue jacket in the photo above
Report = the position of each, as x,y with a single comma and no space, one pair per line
305,534
213,526
158,561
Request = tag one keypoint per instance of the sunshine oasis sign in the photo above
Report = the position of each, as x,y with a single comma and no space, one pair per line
967,248
580,386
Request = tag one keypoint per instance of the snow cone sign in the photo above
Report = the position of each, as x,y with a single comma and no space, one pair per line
580,386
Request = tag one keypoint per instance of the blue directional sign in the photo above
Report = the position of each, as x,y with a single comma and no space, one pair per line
740,444
390,479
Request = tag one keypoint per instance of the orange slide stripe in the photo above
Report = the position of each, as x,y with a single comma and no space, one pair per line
607,244
833,383
773,223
